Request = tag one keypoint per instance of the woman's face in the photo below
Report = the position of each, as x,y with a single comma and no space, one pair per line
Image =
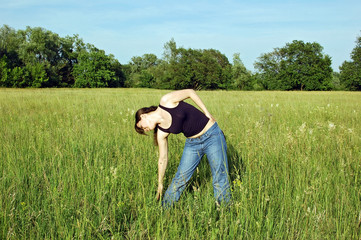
145,124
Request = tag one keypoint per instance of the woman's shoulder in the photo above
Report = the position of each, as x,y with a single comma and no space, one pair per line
168,102
173,98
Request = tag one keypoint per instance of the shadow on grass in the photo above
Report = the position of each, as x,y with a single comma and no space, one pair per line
237,168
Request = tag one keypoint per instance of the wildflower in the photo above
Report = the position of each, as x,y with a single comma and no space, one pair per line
237,183
331,126
120,204
302,128
23,204
113,171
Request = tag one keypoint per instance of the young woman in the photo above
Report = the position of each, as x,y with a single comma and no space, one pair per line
203,137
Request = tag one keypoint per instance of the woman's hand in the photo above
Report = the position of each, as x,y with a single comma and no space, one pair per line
160,191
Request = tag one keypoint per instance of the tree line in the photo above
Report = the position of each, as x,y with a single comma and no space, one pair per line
36,57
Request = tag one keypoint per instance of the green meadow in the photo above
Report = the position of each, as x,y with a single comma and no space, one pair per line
72,167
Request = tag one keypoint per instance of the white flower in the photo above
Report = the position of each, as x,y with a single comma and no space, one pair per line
113,171
331,126
302,128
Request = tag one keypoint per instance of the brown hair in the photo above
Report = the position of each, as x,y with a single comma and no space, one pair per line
137,119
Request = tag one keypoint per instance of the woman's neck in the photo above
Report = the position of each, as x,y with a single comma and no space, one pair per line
156,116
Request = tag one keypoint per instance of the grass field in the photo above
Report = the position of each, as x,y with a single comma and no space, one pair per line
72,167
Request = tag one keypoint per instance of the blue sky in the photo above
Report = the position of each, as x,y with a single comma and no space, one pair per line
133,28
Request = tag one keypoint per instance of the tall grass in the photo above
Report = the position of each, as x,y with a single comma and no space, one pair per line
72,166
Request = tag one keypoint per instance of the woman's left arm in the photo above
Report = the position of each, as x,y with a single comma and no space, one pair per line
171,100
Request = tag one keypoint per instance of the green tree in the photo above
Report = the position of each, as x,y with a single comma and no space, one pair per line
240,75
94,69
193,68
70,47
38,75
36,57
268,68
336,81
117,68
142,70
4,72
217,69
170,51
297,66
350,71
9,46
32,57
10,63
40,52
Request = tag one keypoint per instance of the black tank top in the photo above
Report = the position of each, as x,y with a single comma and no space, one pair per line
186,119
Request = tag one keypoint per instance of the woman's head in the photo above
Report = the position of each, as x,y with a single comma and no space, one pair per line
142,123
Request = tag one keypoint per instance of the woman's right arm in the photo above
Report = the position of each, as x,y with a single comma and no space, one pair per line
162,138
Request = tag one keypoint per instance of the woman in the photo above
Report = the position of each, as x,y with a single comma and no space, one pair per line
203,137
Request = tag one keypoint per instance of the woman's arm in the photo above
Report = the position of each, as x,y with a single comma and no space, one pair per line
162,138
171,100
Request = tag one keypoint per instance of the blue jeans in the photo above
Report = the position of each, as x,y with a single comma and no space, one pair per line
213,144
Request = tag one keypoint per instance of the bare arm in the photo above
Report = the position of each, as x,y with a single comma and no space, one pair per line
162,139
172,99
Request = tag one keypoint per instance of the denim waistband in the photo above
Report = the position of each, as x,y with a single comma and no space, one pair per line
204,135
